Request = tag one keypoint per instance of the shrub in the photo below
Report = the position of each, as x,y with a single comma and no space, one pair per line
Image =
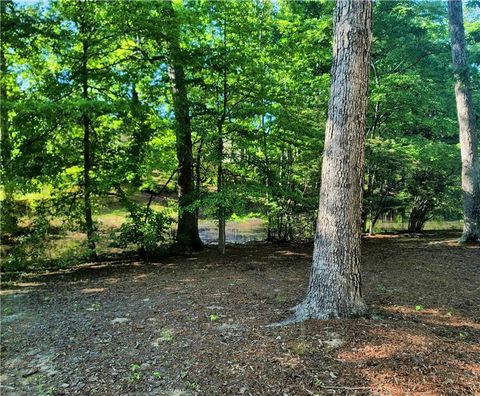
146,228
29,250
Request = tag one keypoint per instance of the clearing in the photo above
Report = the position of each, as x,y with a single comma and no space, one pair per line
195,325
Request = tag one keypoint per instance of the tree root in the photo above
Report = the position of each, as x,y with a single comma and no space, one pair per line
306,310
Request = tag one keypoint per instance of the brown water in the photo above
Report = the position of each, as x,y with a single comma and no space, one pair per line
236,232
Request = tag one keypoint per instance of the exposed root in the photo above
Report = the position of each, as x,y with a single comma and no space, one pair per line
309,310
294,319
299,315
469,239
301,312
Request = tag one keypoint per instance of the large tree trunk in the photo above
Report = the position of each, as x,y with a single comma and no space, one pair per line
187,230
334,287
466,123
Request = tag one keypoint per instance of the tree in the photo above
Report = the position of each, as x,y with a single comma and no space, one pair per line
187,230
106,101
87,144
85,61
466,123
410,105
8,217
19,27
334,287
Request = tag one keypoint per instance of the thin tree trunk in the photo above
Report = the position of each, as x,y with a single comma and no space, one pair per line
379,211
87,155
187,229
334,287
5,136
466,123
371,131
419,215
221,121
221,208
267,170
198,176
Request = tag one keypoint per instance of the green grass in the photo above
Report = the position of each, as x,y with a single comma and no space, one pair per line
434,225
67,248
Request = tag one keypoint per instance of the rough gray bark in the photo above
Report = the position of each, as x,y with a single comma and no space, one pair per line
466,123
187,229
334,287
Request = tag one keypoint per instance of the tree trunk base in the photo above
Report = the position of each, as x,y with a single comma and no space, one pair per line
194,243
469,237
311,309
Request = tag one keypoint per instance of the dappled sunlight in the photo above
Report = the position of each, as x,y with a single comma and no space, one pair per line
93,290
368,352
171,288
21,288
187,188
473,368
435,316
273,257
216,321
395,376
140,277
188,280
9,292
290,361
111,221
289,253
388,366
113,280
391,342
382,236
404,310
389,382
455,243
454,320
466,245
219,294
381,383
29,284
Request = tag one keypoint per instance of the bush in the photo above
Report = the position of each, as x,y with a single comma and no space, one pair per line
29,251
8,216
145,228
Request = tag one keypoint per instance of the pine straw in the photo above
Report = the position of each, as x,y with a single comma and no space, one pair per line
196,325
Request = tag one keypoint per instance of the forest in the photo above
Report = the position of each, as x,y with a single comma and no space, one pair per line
240,197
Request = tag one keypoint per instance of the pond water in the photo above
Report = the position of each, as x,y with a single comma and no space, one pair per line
236,232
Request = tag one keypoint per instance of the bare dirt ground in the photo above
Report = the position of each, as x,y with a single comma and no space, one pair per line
196,325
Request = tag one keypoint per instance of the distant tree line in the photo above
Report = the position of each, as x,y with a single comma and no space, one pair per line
226,103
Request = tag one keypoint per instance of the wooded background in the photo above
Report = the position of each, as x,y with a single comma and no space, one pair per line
126,105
